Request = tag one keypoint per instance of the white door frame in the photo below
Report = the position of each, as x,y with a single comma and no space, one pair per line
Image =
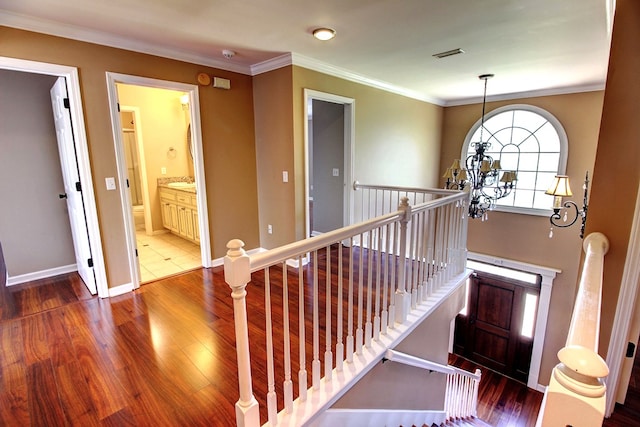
349,151
626,322
82,153
201,195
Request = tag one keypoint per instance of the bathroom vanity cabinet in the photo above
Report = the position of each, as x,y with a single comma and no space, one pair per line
180,213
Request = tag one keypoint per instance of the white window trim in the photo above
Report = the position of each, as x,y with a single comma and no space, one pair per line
564,149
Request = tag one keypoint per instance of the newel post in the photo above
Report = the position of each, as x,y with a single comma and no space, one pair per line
576,394
237,274
402,297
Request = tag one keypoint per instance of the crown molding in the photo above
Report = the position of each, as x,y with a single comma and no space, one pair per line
528,94
29,23
323,67
272,64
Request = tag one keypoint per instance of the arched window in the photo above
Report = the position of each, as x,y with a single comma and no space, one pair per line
530,141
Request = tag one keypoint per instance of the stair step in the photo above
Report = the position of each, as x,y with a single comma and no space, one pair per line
466,422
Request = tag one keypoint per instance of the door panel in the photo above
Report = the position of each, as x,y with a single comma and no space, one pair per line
72,185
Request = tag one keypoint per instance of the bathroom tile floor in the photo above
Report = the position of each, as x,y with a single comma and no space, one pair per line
165,254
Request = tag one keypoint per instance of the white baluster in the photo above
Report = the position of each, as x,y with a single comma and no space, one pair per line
272,404
385,272
349,349
368,326
339,332
302,373
288,384
360,297
315,364
376,318
328,355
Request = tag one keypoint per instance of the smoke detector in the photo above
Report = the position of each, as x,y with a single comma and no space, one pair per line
228,53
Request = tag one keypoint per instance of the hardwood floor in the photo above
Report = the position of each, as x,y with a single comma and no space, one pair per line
163,355
502,401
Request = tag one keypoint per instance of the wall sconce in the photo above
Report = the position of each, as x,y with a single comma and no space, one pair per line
559,189
184,100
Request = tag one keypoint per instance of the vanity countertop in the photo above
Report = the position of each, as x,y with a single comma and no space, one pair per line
180,183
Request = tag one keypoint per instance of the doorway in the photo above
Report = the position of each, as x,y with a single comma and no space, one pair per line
154,125
329,156
496,329
81,159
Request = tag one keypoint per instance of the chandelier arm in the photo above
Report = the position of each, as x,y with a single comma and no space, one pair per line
577,212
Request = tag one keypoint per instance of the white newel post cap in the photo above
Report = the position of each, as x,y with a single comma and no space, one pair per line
583,361
596,238
237,271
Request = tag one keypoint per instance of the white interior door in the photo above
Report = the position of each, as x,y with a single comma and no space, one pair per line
72,185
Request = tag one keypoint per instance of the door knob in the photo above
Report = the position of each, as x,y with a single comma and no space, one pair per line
62,196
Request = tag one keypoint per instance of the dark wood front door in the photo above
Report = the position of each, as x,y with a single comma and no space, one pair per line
491,333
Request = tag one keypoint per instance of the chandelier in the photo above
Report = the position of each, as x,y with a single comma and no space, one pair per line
480,174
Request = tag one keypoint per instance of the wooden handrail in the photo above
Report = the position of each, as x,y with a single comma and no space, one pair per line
437,191
292,250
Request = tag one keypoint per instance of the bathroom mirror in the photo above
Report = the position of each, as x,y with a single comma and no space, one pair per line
190,141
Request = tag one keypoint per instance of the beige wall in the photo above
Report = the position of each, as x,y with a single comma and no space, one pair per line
525,237
227,129
397,142
163,126
616,175
34,223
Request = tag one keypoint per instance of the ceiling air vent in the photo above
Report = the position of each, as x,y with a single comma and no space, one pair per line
448,53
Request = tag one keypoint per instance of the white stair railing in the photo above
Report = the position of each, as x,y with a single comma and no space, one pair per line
461,398
576,392
461,395
396,264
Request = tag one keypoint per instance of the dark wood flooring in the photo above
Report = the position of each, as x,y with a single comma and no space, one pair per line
502,401
163,355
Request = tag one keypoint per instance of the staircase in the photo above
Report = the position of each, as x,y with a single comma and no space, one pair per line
465,422
346,297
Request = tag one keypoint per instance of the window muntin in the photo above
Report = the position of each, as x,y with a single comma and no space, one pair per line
530,141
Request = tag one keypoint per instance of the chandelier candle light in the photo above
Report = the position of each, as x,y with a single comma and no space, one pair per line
482,173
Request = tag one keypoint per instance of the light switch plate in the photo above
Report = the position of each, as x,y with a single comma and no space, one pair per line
285,176
336,172
111,183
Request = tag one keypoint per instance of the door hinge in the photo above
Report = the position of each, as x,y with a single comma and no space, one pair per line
631,348
127,182
78,186
90,262
136,252
118,107
66,104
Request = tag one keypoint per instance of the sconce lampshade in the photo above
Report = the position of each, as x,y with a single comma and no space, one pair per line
560,187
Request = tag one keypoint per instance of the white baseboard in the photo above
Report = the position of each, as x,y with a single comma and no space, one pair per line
378,417
43,274
119,290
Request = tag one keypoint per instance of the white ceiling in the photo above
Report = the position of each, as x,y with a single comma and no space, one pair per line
532,46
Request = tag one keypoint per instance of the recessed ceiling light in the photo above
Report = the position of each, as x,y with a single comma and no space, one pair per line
324,33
